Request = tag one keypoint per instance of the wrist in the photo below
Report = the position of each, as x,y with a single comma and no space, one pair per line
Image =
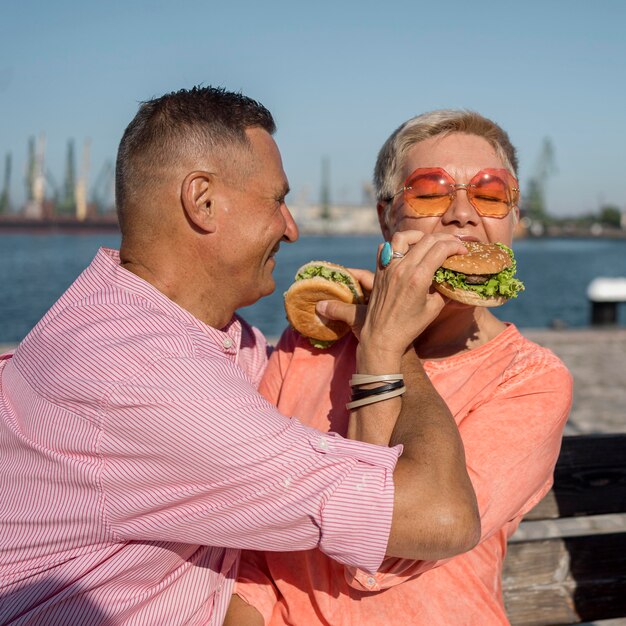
372,361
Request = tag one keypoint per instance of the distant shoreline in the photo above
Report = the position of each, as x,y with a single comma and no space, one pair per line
61,225
91,226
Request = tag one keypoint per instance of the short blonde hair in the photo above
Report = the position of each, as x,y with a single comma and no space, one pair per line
388,169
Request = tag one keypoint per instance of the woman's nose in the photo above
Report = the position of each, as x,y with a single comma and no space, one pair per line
461,210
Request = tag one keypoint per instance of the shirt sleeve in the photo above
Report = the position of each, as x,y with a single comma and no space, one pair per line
512,443
192,453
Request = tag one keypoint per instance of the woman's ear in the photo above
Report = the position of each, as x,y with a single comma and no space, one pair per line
382,208
198,199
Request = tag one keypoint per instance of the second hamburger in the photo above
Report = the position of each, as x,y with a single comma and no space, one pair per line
315,281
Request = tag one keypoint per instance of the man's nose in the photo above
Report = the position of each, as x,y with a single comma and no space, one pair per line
291,233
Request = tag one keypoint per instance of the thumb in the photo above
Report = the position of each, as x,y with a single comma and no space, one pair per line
351,314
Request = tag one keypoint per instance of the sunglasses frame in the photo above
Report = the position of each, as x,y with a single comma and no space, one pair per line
502,173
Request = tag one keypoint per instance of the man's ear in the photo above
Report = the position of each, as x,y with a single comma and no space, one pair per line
381,210
198,199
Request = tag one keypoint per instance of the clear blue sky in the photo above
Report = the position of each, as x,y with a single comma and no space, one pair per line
338,77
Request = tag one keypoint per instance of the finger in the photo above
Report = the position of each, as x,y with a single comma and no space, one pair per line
431,251
402,240
365,277
438,250
351,314
426,240
416,244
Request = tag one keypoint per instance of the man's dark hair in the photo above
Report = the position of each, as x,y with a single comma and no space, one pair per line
182,124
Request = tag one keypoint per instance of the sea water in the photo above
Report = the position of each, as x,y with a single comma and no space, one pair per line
36,269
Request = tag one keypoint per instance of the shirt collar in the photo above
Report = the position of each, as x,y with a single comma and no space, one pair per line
107,263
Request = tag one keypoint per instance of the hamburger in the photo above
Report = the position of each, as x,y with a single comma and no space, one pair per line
315,281
485,276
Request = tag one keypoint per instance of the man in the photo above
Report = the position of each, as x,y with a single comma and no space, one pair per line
136,456
510,397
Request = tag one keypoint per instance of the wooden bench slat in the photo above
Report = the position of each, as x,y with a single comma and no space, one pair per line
589,478
553,560
566,581
579,578
555,606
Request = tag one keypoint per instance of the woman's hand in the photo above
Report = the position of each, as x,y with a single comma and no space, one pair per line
402,302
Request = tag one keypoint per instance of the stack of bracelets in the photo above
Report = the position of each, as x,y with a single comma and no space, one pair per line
394,386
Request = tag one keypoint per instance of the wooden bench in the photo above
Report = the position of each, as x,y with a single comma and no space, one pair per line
577,573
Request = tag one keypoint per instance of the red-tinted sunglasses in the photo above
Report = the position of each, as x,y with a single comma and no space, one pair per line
429,191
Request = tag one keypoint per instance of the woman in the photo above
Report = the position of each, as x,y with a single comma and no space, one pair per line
510,399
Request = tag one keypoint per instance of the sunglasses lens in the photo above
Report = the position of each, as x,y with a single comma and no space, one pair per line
427,192
492,193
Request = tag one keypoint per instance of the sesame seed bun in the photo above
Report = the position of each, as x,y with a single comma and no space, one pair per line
482,261
481,258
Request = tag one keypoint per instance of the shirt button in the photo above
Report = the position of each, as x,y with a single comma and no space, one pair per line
227,343
371,581
323,444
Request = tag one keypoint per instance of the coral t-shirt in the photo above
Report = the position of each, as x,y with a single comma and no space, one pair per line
510,399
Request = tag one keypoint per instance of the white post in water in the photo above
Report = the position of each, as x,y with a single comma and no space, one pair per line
605,294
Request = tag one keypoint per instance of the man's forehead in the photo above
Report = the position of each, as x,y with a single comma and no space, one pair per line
262,143
261,172
265,155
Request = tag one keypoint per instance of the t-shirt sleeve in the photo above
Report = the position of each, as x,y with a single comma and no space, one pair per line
512,443
255,583
194,454
278,364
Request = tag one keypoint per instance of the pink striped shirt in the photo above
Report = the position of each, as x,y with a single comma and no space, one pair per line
137,458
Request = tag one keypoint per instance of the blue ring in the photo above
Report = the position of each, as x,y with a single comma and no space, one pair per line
386,254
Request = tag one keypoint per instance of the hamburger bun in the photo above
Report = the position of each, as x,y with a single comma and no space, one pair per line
310,286
481,258
469,297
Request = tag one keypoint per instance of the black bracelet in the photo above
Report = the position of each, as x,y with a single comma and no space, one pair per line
366,393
